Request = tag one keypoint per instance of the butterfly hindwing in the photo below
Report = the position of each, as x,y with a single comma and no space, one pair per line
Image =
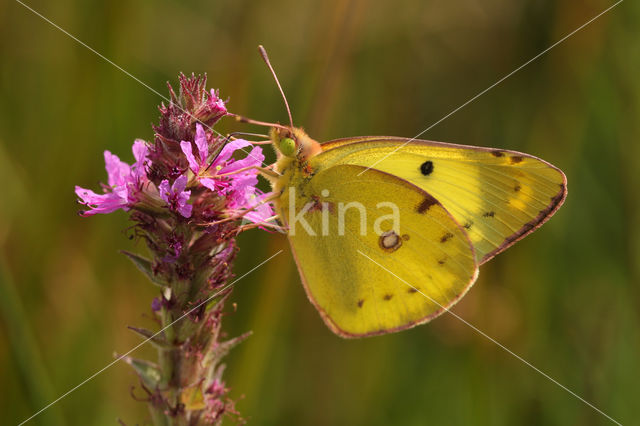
343,268
498,196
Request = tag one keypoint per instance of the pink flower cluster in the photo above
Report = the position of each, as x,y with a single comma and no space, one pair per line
200,178
187,192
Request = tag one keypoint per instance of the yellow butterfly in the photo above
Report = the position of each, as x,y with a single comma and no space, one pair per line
433,213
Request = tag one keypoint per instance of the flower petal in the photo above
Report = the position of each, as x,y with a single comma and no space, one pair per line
165,190
193,164
201,143
216,103
228,150
261,210
179,185
118,171
184,208
254,158
260,214
210,183
243,183
100,203
140,152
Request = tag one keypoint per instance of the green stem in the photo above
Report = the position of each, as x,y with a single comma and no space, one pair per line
158,417
166,358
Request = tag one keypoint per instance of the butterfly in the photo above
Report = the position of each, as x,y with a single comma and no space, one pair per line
433,213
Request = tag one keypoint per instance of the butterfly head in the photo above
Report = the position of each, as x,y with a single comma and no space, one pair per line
294,143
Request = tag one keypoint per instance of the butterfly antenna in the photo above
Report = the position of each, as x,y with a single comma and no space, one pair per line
244,119
265,58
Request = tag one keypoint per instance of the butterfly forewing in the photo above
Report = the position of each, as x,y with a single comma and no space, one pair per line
498,196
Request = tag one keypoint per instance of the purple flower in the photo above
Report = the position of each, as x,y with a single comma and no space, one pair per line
191,258
100,203
174,244
140,153
215,389
224,175
215,105
234,179
176,196
252,199
233,174
199,164
118,171
124,183
260,213
156,304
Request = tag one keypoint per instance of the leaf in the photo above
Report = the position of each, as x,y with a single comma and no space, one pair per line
145,266
222,349
192,399
158,340
149,373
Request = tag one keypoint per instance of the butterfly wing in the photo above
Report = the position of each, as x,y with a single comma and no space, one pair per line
498,196
343,266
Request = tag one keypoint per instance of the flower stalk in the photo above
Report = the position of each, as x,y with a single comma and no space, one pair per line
188,193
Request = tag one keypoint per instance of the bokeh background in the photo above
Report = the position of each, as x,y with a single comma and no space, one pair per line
567,298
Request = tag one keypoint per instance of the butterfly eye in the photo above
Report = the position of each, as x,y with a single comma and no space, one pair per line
287,147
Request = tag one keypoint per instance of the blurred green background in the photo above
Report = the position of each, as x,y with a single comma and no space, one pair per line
567,298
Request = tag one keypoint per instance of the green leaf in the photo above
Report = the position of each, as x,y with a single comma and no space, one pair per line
145,266
159,341
149,373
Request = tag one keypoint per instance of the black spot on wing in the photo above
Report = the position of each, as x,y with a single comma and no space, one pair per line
387,297
426,203
468,225
517,188
446,237
412,290
497,153
426,168
360,303
516,159
489,214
